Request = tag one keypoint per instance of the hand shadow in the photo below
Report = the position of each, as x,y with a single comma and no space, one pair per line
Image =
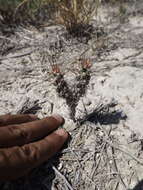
139,186
40,178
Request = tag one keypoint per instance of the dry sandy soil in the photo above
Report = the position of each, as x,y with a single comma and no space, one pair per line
103,106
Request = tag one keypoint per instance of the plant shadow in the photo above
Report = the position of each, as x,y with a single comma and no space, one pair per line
104,116
108,118
83,33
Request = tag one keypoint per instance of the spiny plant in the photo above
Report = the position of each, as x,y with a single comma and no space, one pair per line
72,97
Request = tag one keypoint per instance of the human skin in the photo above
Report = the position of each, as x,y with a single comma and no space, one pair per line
26,142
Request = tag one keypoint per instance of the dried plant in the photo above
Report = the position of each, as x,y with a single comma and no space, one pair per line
70,13
75,14
22,10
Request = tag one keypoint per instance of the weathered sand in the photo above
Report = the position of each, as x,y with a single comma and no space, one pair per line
116,75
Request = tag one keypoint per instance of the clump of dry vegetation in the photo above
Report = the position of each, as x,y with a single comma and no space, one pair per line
73,14
20,10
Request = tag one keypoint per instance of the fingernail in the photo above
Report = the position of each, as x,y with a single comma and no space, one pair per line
34,117
59,118
61,132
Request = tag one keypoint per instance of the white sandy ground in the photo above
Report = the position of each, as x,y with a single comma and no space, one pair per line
123,84
118,77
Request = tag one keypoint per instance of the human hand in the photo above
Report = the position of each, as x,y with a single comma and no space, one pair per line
26,142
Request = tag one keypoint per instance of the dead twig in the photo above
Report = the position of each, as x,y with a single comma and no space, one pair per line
62,177
116,186
116,168
17,56
126,152
5,38
101,153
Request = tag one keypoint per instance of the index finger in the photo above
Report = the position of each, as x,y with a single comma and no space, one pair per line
16,119
18,135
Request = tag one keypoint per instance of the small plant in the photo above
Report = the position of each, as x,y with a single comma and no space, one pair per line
55,69
72,95
85,64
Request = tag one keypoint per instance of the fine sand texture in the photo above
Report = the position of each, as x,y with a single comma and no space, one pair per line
102,104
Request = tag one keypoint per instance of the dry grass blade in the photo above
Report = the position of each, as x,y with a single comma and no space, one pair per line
98,162
17,55
116,168
62,177
75,13
20,5
127,153
109,142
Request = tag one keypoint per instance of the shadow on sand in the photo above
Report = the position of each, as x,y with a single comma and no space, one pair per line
40,178
139,186
104,115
